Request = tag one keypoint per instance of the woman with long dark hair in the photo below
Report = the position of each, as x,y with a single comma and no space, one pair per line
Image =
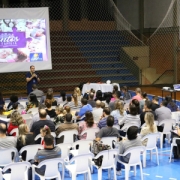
33,102
171,105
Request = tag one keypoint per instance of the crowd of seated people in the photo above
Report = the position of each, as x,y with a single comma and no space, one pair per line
75,112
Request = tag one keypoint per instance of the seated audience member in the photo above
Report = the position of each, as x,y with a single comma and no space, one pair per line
176,149
6,141
107,98
68,109
116,96
33,102
44,131
138,94
50,97
147,108
60,115
97,112
126,94
171,105
74,103
150,126
98,95
91,100
108,130
36,91
49,152
129,120
51,112
67,125
132,141
85,107
103,105
155,103
25,138
15,120
68,101
77,91
162,113
43,98
13,100
3,111
35,129
62,99
115,88
106,113
2,102
136,103
119,111
142,102
86,124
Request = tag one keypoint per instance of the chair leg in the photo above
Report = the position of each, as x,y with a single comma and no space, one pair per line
171,153
89,175
109,173
127,172
161,140
140,166
157,157
99,174
73,176
144,159
114,171
151,155
134,170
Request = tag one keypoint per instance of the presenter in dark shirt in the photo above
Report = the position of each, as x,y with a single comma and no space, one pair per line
31,78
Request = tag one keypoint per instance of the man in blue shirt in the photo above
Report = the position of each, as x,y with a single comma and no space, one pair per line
31,78
103,122
85,107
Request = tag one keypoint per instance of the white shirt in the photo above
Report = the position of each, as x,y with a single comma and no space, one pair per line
97,113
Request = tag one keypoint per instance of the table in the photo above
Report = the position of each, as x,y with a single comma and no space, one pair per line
170,91
103,87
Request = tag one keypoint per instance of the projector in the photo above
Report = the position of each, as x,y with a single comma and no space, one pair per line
166,88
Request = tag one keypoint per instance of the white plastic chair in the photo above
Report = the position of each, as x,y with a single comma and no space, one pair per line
172,145
151,144
6,156
109,141
28,119
176,115
18,171
31,151
84,147
68,135
65,148
80,166
116,126
15,130
40,137
32,111
51,171
168,123
90,133
1,178
108,162
134,160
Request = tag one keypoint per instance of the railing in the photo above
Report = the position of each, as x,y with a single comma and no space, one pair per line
162,75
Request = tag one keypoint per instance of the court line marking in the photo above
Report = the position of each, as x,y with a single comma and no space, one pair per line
172,178
159,176
146,174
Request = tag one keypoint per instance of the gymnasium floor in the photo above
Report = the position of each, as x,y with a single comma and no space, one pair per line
165,170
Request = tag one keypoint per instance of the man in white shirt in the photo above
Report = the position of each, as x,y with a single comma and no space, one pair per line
97,111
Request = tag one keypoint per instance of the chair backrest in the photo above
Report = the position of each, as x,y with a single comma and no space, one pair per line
91,133
15,130
82,162
18,170
84,146
28,119
23,102
109,141
108,157
33,111
65,147
51,167
6,156
31,150
176,115
116,126
168,123
151,139
135,154
68,135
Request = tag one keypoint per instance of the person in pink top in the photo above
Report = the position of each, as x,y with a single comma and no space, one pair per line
86,124
138,94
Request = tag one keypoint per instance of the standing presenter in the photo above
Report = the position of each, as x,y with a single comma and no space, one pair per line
31,78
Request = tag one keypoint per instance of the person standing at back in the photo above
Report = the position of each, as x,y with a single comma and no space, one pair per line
31,78
138,94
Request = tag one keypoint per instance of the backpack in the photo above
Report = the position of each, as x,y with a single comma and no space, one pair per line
96,148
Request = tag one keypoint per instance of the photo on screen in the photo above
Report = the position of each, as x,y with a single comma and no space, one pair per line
23,40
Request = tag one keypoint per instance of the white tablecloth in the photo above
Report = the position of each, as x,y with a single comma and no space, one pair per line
103,87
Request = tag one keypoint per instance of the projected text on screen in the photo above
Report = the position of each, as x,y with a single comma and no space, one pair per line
23,40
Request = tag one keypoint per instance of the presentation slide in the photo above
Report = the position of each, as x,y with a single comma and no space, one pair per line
24,40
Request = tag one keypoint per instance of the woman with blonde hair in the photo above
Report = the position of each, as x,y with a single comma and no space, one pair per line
15,120
25,138
75,103
149,127
77,91
61,112
86,124
119,111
